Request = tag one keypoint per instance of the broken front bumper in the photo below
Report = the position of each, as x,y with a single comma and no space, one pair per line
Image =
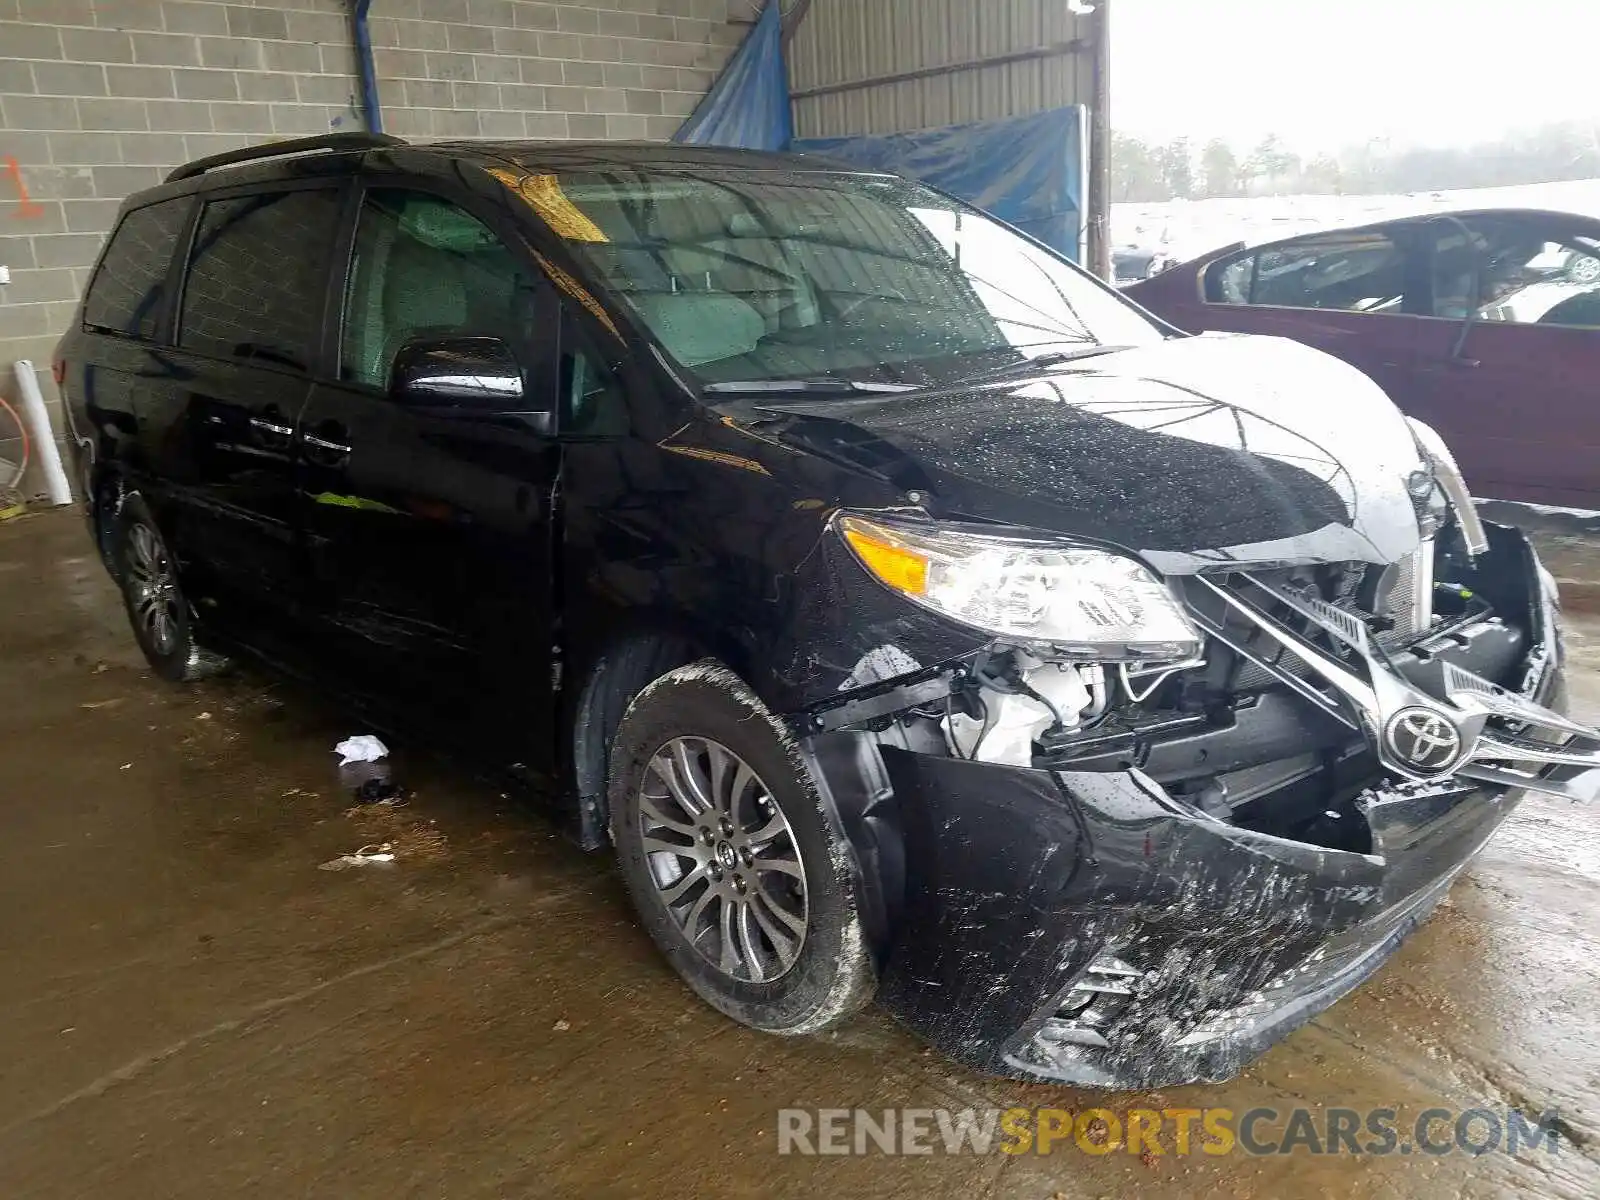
1087,927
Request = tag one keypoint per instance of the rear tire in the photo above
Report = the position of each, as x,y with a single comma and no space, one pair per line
734,869
163,623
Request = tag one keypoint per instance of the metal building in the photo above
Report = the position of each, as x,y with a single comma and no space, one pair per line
883,66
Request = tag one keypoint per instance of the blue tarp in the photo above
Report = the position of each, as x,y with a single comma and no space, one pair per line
748,106
1027,171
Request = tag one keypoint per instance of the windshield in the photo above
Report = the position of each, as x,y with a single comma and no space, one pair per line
750,276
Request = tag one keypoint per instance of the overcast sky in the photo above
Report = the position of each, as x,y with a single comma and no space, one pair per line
1329,73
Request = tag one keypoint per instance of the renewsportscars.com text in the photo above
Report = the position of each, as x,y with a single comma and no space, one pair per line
1176,1131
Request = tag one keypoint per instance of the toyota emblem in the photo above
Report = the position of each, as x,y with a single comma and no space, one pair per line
1423,740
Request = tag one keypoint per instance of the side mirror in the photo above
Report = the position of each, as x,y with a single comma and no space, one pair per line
459,372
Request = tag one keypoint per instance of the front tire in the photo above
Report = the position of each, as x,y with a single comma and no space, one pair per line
733,867
162,621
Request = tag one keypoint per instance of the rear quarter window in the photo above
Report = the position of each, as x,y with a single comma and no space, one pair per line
128,293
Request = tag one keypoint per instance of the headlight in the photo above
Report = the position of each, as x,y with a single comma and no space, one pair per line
1448,475
1074,599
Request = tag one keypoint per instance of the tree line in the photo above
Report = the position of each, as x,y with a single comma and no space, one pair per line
1145,172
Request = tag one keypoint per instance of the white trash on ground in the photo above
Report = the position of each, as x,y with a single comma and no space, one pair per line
364,769
364,857
361,748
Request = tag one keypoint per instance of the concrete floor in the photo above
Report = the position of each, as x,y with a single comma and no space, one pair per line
189,1007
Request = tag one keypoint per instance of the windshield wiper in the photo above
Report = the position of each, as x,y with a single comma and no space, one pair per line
1054,359
823,386
828,385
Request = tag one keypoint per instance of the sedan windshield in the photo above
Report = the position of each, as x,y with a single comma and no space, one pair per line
768,276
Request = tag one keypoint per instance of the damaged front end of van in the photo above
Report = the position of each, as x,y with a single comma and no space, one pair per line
1179,801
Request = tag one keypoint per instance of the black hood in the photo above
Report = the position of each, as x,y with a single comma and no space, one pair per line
1189,453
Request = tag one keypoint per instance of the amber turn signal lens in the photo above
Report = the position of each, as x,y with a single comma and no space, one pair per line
902,569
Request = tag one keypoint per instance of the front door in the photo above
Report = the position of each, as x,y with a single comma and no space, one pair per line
249,331
428,528
1511,380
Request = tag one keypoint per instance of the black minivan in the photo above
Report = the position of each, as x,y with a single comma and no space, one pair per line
912,615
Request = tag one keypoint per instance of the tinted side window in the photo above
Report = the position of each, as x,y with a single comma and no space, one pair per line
425,268
130,288
1359,271
256,277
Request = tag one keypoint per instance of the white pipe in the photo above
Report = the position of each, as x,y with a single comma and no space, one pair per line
43,437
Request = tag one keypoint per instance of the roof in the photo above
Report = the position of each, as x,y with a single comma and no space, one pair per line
300,158
581,155
1422,218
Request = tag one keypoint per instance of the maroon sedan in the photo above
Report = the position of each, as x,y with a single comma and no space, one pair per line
1485,324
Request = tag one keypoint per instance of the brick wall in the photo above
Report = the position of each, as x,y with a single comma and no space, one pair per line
99,98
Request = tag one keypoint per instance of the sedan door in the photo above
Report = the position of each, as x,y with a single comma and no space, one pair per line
429,525
1511,382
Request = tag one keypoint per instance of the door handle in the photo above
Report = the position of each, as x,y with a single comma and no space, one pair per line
324,444
328,447
272,427
271,436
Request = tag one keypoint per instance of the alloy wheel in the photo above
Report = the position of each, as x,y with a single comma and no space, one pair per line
724,859
153,588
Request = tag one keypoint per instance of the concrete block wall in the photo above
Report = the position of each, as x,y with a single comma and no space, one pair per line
100,98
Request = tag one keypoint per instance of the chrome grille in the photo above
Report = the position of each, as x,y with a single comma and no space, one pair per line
1359,684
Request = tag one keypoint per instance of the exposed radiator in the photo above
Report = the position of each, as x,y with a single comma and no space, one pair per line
1406,594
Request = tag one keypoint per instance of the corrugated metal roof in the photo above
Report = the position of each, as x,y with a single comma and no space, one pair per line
848,41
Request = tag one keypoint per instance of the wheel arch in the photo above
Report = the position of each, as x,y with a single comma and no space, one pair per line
608,676
846,768
108,491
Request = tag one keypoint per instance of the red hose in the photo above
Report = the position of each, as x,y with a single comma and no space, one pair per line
27,446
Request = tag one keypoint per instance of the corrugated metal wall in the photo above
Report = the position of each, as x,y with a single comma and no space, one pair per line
848,41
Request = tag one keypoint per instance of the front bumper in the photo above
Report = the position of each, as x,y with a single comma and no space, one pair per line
1086,927
1022,884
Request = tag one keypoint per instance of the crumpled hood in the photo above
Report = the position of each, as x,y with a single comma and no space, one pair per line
1193,452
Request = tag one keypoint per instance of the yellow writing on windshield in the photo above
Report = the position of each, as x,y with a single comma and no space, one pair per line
578,292
544,195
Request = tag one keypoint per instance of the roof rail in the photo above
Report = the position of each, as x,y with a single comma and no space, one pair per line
325,141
